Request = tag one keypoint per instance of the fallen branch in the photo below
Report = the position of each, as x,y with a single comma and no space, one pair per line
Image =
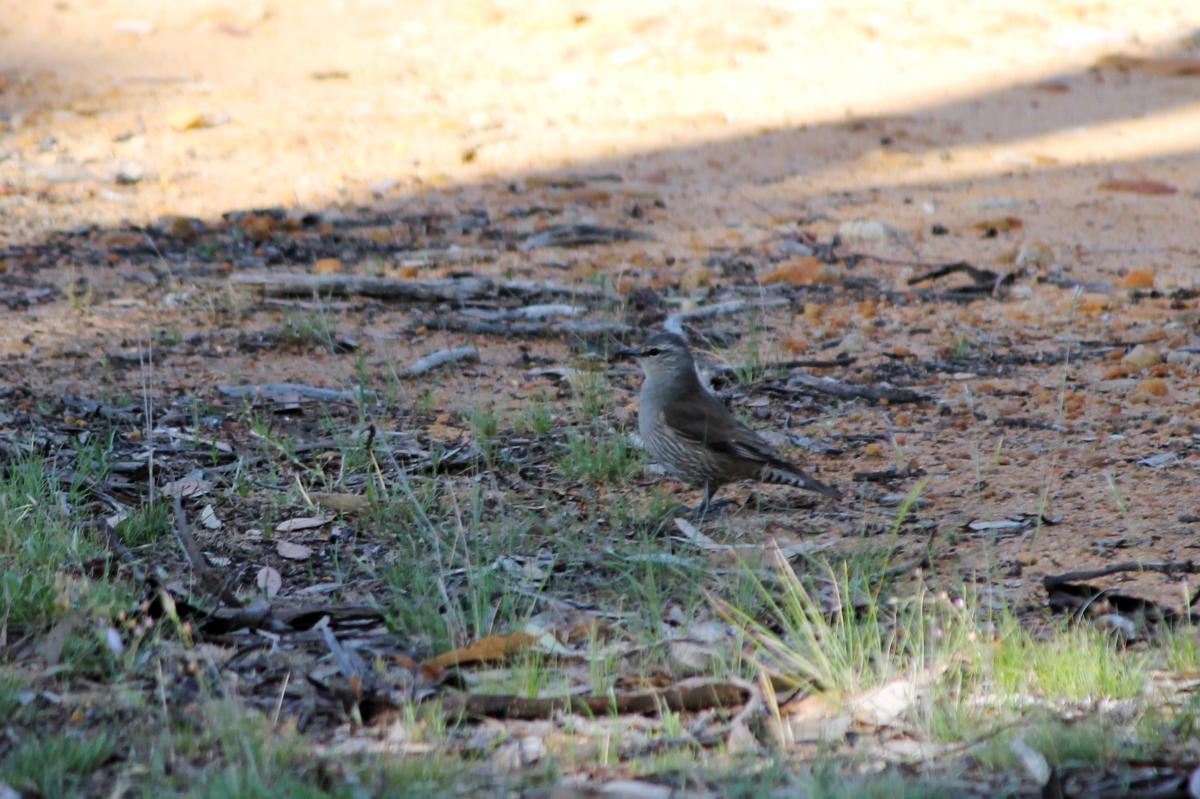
579,235
529,289
560,327
1085,600
542,311
454,290
727,370
349,662
803,384
686,697
275,391
982,277
435,359
888,475
674,322
309,305
260,614
1052,581
303,285
903,262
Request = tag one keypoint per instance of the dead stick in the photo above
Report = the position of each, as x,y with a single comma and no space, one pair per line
515,329
114,543
980,276
459,290
845,360
278,390
674,322
433,360
933,265
803,384
1169,567
677,698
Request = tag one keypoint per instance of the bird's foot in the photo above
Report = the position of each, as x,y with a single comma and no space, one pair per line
717,507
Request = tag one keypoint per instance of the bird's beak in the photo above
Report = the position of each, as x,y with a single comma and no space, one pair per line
621,355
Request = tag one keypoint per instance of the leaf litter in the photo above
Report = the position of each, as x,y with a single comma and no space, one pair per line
1019,387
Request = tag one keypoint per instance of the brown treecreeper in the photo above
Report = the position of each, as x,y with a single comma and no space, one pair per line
691,433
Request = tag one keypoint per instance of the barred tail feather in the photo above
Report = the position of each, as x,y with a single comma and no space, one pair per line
797,478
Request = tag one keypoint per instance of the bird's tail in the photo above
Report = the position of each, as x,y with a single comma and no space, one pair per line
797,478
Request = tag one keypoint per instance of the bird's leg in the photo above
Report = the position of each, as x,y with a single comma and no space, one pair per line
702,510
708,505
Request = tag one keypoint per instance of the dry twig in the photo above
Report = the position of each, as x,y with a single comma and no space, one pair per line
689,696
803,384
440,358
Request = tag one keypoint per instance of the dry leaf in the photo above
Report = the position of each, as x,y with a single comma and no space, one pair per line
636,789
445,432
1092,302
1001,224
694,277
1051,86
1033,761
50,647
799,272
1143,356
121,238
287,549
208,518
1152,387
813,718
188,117
113,640
184,228
485,650
1138,279
794,345
327,266
884,704
694,658
1034,255
1118,371
185,487
339,501
1169,66
1138,186
301,523
269,581
258,227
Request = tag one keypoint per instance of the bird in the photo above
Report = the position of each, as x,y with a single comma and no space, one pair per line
689,431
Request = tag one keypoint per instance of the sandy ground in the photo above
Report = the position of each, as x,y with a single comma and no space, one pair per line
735,116
729,130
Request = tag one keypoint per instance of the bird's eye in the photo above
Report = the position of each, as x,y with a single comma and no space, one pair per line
652,351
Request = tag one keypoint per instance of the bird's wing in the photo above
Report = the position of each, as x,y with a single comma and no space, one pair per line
704,420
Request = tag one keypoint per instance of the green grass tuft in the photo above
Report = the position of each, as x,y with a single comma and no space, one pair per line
146,524
601,457
54,765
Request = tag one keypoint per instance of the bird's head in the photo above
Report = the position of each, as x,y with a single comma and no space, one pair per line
663,354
